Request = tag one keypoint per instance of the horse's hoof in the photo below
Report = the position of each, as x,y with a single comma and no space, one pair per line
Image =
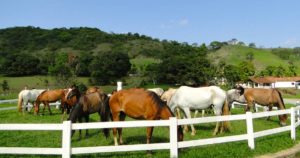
193,133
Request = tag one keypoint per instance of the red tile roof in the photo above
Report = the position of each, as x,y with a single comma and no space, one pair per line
271,79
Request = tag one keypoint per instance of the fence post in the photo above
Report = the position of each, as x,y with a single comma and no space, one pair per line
173,138
293,126
66,139
249,120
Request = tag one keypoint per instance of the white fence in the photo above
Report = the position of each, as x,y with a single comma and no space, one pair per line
66,150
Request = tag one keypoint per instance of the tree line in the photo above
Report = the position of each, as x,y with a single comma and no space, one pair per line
105,57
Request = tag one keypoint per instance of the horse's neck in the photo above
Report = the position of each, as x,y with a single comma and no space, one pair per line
165,113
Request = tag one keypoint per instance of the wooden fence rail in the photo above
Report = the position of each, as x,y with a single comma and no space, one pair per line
173,145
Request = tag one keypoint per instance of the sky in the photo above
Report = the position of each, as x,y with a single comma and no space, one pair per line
267,23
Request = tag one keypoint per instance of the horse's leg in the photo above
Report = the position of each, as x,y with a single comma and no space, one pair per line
115,117
149,136
48,106
80,121
270,108
87,119
178,113
218,112
44,107
188,115
122,118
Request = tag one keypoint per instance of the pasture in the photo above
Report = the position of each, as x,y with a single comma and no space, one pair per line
263,145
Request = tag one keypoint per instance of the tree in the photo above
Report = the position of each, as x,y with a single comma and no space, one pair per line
5,86
108,67
246,69
250,56
62,71
231,74
252,45
215,45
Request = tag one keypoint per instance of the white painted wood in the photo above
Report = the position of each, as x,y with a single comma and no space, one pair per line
119,124
43,127
27,150
211,119
249,122
208,141
271,131
271,113
66,139
293,121
173,138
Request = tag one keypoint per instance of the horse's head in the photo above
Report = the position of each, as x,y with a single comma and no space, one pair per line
283,119
240,89
73,92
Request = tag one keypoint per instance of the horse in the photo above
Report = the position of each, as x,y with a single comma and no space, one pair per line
158,91
187,98
233,95
88,104
26,96
265,97
139,103
50,96
93,89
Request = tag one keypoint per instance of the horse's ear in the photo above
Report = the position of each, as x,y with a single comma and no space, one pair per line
240,90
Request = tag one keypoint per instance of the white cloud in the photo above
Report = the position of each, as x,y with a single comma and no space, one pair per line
291,42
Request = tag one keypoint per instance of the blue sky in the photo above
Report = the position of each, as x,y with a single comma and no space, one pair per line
267,23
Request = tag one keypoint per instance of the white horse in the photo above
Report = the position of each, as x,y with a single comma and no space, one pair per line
26,96
158,91
187,98
233,95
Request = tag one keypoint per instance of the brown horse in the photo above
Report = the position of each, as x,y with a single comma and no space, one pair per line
265,97
139,104
50,96
88,104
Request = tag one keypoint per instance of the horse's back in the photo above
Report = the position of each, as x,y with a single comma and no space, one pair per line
262,96
135,103
201,97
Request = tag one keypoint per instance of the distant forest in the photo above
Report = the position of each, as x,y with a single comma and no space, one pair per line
105,57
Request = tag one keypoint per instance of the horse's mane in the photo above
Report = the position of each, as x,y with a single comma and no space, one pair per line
158,101
280,96
43,93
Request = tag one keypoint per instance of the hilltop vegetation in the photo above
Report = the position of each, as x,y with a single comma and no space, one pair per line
68,53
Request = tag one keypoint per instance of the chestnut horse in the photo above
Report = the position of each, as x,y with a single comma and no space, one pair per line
139,104
50,96
265,97
88,104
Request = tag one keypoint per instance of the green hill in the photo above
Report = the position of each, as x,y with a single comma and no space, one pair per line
234,54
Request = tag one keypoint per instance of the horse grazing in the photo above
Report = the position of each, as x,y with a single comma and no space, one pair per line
50,96
158,91
187,98
88,104
26,96
139,104
265,97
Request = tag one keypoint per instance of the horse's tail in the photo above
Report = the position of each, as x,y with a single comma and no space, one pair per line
226,111
20,101
105,114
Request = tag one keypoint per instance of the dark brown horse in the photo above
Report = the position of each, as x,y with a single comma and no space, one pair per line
265,97
139,104
88,104
50,96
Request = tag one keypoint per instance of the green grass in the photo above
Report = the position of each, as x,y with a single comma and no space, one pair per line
263,145
262,57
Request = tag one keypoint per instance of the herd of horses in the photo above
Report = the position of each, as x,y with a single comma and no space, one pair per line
150,104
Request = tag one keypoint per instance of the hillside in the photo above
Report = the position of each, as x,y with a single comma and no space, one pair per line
261,57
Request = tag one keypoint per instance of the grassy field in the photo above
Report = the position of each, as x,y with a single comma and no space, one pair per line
263,145
261,57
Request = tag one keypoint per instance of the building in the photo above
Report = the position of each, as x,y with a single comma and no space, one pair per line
273,82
